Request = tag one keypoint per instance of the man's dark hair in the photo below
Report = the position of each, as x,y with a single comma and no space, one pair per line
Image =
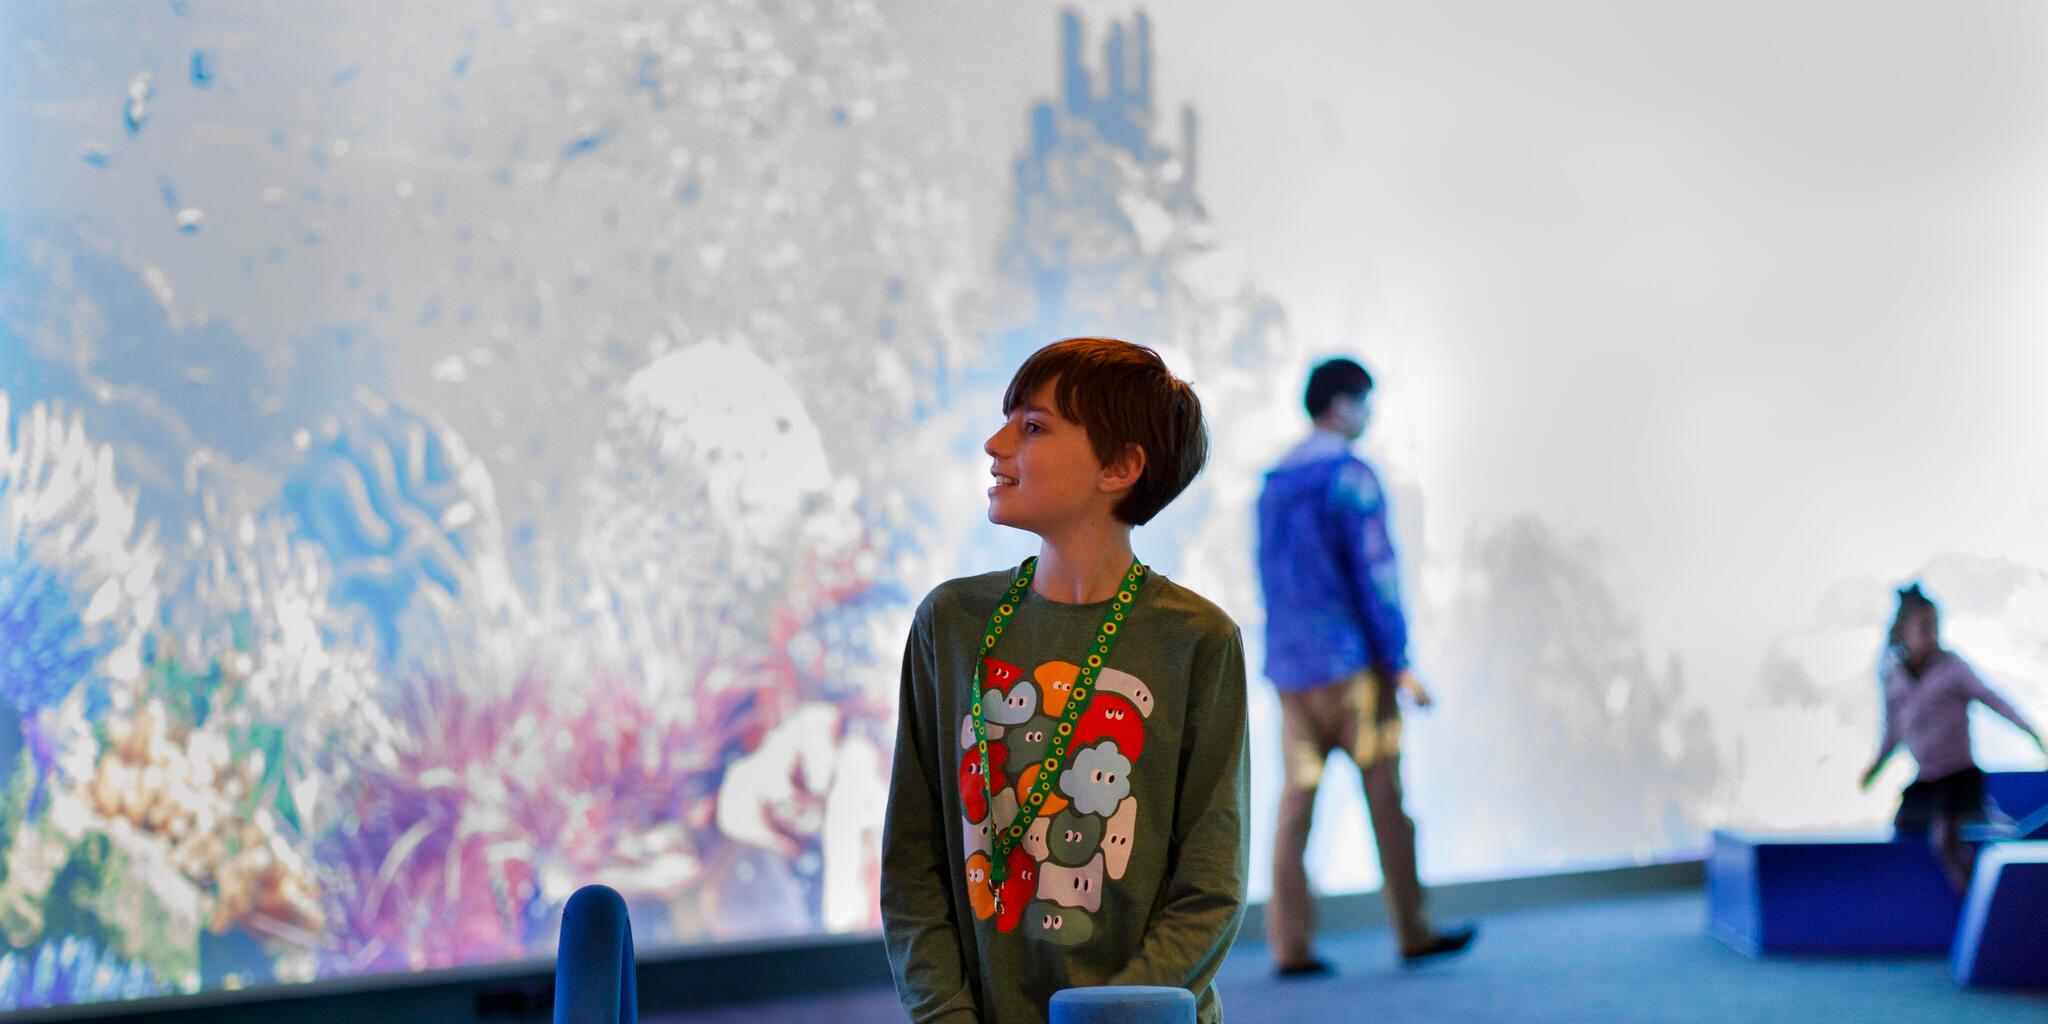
1333,378
1123,395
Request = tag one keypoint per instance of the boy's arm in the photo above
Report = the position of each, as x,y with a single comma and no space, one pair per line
1375,575
1188,935
919,923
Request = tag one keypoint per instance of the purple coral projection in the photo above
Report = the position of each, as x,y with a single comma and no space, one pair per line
69,970
44,654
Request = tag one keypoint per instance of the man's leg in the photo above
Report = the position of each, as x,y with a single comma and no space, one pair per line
1394,832
1290,916
1372,736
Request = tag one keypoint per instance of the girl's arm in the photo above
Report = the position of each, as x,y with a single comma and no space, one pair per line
1890,740
1990,698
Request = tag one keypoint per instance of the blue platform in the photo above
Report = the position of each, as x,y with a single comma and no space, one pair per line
1850,893
2003,938
2019,794
1123,1004
1828,893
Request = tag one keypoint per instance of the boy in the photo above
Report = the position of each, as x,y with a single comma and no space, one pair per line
1068,803
1335,639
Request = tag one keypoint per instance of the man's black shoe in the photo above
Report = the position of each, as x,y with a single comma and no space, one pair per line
1446,943
1311,969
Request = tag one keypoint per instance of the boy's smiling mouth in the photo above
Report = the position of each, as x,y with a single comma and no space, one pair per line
1002,480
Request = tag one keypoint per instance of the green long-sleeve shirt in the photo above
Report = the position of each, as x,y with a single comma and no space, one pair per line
1134,874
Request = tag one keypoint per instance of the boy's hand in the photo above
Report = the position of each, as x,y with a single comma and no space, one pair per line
1412,688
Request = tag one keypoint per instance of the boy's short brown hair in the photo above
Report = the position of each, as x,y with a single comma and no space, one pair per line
1124,395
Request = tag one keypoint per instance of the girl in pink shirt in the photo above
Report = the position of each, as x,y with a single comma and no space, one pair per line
1927,695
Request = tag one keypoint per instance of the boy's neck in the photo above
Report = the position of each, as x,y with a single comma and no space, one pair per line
1083,565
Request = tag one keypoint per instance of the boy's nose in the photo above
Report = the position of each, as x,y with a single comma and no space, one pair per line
990,446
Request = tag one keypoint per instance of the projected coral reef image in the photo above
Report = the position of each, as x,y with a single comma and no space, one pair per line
452,454
575,543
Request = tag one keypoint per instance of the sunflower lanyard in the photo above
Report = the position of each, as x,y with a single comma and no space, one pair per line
1006,839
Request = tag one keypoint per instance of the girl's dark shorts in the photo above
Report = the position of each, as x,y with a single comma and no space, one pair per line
1956,798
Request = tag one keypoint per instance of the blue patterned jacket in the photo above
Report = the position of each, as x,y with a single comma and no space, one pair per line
1332,587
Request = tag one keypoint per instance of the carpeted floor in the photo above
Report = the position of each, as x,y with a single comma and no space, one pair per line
1644,959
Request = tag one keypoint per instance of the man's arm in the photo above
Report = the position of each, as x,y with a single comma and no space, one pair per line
1375,575
919,921
1187,937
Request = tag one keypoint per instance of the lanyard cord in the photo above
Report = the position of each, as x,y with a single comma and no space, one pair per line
1055,762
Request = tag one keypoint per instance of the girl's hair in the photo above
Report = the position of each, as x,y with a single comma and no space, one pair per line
1911,599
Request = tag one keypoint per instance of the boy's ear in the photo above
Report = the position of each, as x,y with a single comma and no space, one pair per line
1123,474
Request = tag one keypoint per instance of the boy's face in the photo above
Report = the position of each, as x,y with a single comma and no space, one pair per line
1047,475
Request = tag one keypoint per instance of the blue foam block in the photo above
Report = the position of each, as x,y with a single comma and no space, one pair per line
1834,893
1123,1004
594,981
2003,938
2018,794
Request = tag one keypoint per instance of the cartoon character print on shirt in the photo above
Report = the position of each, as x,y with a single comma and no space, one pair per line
1016,890
995,732
1055,683
978,892
1112,718
1006,699
1028,743
1097,779
971,790
1071,838
1005,810
980,839
1116,838
1127,686
1061,926
1072,887
1028,778
1037,841
1081,839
